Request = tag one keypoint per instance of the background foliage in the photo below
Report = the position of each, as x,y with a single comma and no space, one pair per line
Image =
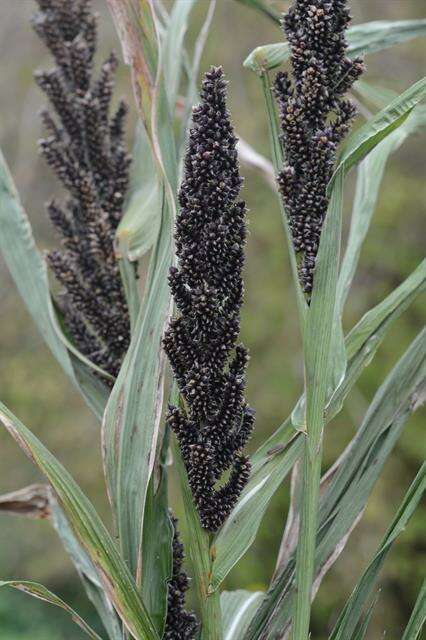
34,386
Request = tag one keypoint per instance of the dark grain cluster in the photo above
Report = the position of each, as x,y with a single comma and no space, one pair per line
180,624
84,146
314,117
201,343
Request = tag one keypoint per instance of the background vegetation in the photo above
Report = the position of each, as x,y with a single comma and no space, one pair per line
36,389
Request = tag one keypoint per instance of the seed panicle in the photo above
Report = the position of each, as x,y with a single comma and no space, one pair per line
207,287
84,147
314,116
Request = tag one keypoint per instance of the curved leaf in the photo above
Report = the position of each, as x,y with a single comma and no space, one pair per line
362,39
418,616
351,614
39,591
29,272
364,139
89,530
238,608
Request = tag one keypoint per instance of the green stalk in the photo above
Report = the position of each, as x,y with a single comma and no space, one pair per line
278,161
199,550
317,346
305,557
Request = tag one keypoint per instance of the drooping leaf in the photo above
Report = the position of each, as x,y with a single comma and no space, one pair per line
239,531
89,530
238,608
377,318
29,273
418,617
350,486
157,557
38,502
39,591
368,136
173,48
274,459
362,39
85,569
30,502
132,417
352,611
370,174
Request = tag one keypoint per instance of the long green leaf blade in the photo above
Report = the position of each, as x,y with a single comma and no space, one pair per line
132,417
362,39
351,614
238,609
29,273
418,617
239,531
350,487
89,530
370,174
39,591
364,139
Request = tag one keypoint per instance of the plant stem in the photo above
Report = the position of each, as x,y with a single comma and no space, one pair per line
305,558
199,549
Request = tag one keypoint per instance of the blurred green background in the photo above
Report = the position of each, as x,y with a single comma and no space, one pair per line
34,387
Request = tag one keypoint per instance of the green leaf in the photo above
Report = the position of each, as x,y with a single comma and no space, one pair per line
418,616
350,484
322,350
173,49
377,319
274,459
86,570
238,608
38,502
370,174
263,8
364,139
240,529
26,265
29,272
95,392
39,591
200,554
132,417
362,628
138,229
89,530
351,614
157,557
362,39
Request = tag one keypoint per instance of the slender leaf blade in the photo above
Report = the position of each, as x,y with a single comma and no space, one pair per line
240,529
350,487
364,139
89,530
37,590
363,39
238,609
418,616
29,273
351,614
370,174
